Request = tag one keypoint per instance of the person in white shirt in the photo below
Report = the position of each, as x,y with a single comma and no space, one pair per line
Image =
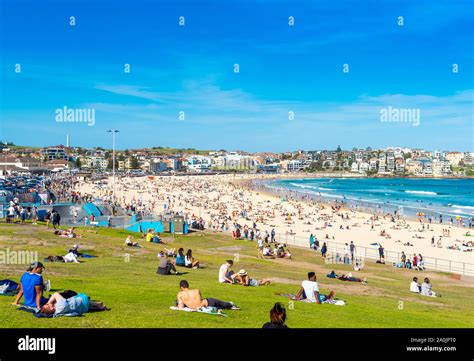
267,252
426,289
415,286
70,258
225,274
309,291
11,214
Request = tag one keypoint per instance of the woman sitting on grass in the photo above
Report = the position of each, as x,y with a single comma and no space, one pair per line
129,242
189,260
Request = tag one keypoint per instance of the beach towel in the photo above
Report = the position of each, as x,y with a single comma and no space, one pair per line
8,288
34,311
208,310
85,255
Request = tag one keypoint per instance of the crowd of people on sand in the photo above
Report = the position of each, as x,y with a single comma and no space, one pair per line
32,288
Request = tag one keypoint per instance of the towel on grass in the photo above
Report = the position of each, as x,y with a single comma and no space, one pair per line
34,311
85,255
8,288
208,310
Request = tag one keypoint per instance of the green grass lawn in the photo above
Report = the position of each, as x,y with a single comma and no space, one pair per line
139,297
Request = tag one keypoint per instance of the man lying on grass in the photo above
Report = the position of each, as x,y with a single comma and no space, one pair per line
309,291
77,305
192,299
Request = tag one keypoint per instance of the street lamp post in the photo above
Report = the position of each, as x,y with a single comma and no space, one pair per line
113,131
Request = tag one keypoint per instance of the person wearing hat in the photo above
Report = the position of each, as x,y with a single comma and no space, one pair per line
31,287
243,279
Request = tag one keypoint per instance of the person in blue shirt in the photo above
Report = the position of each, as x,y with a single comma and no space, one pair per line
60,306
76,305
180,258
31,287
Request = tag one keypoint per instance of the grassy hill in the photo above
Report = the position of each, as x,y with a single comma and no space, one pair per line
139,297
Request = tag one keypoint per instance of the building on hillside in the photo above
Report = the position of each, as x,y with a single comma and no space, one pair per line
24,163
454,158
158,167
198,163
51,153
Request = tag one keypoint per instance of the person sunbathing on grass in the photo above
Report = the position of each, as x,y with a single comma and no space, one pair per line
76,305
243,279
349,278
309,291
193,299
171,252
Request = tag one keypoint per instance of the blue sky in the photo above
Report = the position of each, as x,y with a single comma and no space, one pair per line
283,69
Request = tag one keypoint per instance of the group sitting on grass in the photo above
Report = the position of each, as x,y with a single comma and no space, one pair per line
167,266
154,237
67,303
278,251
425,289
226,275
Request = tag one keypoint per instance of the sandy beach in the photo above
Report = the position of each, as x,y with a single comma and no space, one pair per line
222,200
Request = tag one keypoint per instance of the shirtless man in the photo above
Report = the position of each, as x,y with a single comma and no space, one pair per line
192,299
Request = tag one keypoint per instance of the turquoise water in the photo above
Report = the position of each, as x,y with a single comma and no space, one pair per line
450,197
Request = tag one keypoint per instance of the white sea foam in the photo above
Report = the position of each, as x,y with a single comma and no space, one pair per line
462,207
423,193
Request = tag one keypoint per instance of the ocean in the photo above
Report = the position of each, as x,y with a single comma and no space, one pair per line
449,197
